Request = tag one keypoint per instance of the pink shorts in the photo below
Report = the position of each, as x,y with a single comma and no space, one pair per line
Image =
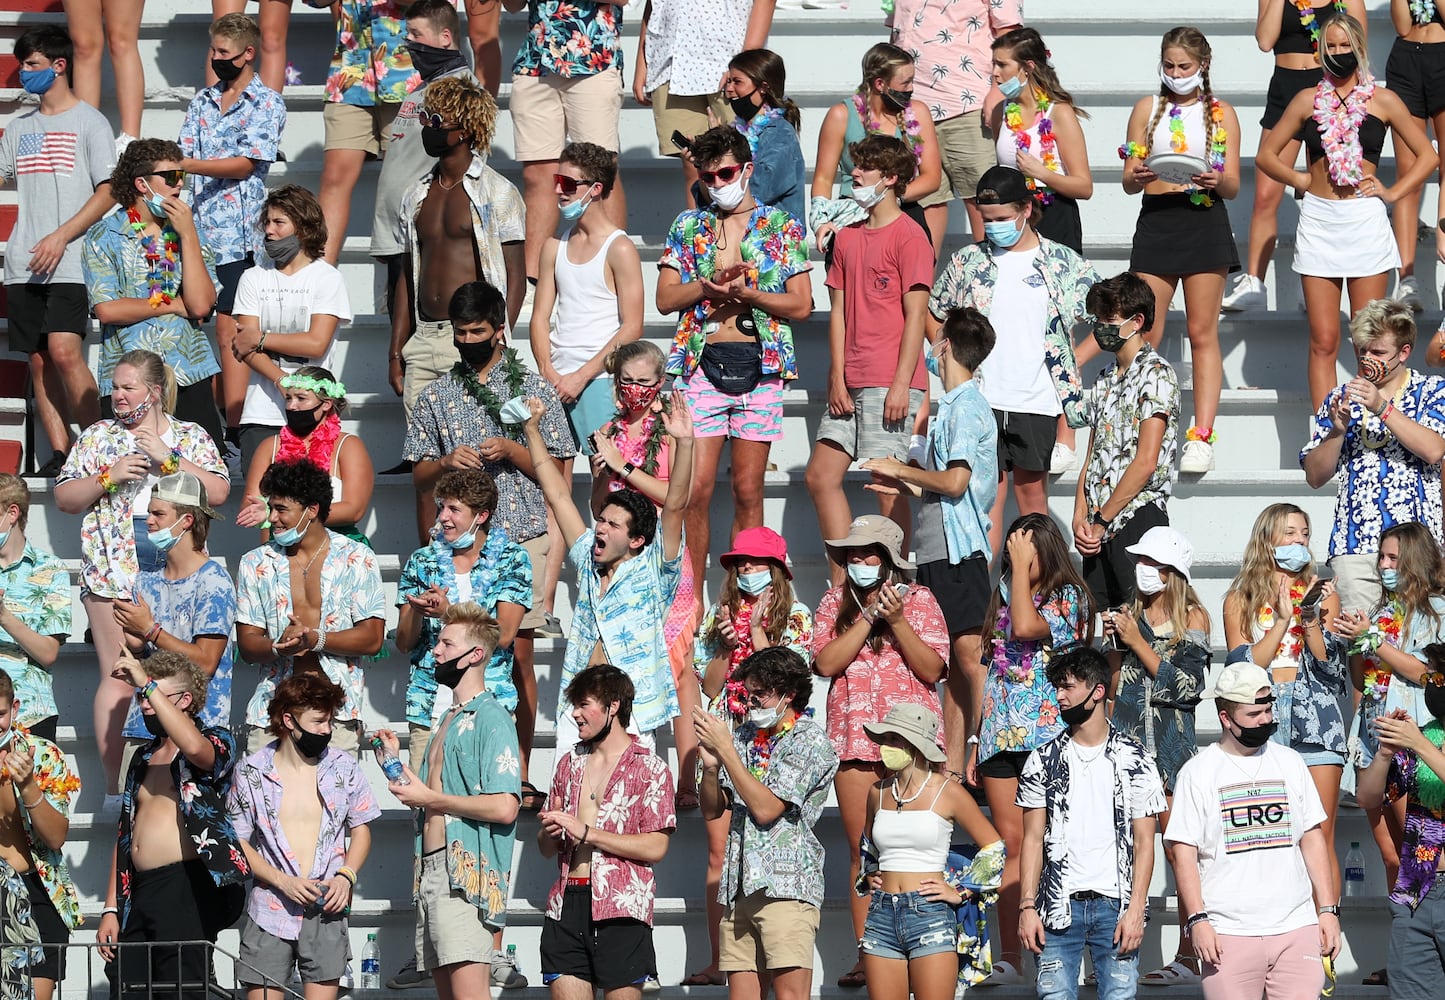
1283,966
753,416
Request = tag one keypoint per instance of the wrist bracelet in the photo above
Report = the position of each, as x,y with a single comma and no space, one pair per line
320,641
153,634
586,831
111,909
41,798
1028,906
149,688
261,344
106,483
347,874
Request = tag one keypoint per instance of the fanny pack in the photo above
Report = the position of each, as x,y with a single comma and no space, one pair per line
734,367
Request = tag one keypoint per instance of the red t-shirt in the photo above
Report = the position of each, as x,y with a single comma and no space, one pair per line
873,268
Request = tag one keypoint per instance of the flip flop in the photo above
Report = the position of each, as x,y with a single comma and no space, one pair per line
687,799
532,798
853,980
1380,977
703,979
1176,973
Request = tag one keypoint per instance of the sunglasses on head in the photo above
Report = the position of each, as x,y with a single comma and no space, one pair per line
1435,679
722,175
437,121
171,177
569,185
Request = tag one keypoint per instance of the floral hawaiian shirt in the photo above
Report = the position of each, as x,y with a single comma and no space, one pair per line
108,564
774,249
570,38
1114,408
638,799
1424,828
878,678
969,280
503,575
1383,483
227,209
627,619
371,65
730,703
19,937
1158,710
255,809
58,784
783,860
1044,784
36,591
351,592
203,796
1020,709
479,757
202,604
950,42
115,268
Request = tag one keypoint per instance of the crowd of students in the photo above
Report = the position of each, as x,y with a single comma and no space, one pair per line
959,653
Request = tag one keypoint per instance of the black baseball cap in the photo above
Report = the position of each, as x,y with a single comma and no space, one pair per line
1002,185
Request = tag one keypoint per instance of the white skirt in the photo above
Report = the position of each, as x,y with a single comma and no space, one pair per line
1349,238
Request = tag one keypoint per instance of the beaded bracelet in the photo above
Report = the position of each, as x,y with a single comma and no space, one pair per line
153,634
106,483
1385,413
320,641
149,689
347,874
173,464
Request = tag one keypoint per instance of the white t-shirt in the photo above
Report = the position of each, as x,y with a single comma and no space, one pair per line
1090,830
285,303
141,505
1246,816
1015,378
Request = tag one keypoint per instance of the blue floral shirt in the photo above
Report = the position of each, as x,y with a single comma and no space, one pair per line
227,209
628,621
37,591
503,575
570,38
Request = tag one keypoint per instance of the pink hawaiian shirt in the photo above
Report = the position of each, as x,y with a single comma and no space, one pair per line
951,44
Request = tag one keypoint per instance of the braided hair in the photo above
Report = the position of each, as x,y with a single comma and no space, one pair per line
1192,41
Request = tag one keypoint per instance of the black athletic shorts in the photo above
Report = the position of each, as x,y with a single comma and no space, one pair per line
608,954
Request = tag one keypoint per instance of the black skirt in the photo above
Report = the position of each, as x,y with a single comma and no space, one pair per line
1174,236
1061,223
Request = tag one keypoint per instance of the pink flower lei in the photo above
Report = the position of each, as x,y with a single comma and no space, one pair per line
870,124
1339,122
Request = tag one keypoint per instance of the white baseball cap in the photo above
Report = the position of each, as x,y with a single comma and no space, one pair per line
1165,545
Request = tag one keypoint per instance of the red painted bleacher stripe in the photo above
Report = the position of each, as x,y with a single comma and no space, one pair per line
9,71
33,6
8,215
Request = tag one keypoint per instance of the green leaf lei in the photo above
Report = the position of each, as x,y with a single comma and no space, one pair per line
483,394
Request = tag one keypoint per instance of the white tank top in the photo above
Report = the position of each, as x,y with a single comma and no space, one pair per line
585,317
1006,146
913,840
1195,138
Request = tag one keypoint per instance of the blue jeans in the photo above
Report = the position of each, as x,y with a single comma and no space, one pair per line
906,925
1093,925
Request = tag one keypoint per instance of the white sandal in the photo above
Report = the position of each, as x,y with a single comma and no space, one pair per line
1176,973
1004,974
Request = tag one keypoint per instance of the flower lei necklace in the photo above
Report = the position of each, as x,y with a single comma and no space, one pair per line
163,261
1387,627
1019,673
1294,639
752,129
652,438
1048,146
318,447
1339,123
483,394
487,562
871,125
760,745
1310,23
1421,11
735,691
1218,136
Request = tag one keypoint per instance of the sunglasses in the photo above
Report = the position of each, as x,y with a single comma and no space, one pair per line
437,121
1435,679
569,185
754,699
171,177
1329,964
722,175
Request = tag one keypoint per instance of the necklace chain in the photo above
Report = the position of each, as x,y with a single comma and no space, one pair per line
305,572
900,801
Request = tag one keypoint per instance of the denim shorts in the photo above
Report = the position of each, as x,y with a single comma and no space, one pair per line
906,925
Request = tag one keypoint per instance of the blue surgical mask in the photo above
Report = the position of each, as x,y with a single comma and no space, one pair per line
1011,88
155,203
573,211
162,539
754,583
37,81
864,575
463,541
1390,578
1003,234
289,536
933,363
1292,558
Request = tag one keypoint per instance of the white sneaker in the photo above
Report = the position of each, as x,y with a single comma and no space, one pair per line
1062,460
1004,974
1197,457
1408,292
121,141
1249,293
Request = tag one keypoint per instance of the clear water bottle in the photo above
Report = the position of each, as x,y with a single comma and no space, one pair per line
390,763
1354,870
512,958
371,964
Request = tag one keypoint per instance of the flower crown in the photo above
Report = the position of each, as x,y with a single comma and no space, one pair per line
321,386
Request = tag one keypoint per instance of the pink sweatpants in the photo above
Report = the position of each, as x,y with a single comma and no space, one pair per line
1278,967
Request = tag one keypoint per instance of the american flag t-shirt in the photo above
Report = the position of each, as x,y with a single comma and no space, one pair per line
46,153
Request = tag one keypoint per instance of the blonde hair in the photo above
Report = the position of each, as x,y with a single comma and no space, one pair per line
237,27
882,62
467,104
1355,32
1180,603
1381,317
14,491
155,373
1254,587
1191,40
164,663
480,627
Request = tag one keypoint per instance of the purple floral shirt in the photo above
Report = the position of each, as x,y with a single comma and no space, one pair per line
1424,829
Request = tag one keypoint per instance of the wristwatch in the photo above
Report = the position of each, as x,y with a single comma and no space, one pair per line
1098,518
1335,909
627,469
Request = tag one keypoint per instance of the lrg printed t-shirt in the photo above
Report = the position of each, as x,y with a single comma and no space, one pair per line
1246,816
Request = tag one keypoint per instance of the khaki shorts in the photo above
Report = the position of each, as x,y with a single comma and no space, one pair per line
449,930
968,149
344,736
1357,581
758,934
687,115
351,126
427,355
418,737
549,110
537,552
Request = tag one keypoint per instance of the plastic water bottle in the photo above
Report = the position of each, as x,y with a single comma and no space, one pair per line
1354,871
371,964
390,763
512,958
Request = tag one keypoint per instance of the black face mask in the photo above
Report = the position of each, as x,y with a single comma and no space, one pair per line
435,141
1339,65
899,99
310,744
430,60
744,107
284,250
448,674
1255,737
303,422
1076,715
226,70
476,354
153,725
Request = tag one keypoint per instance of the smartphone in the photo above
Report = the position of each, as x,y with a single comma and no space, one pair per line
901,590
1311,602
1114,643
681,141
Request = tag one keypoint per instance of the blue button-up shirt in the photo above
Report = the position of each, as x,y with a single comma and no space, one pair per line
964,431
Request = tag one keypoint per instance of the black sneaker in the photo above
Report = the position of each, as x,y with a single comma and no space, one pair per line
408,978
550,628
52,468
402,468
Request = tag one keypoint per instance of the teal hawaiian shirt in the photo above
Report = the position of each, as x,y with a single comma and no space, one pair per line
570,38
37,591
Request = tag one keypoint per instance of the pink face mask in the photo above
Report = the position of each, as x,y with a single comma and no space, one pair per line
636,398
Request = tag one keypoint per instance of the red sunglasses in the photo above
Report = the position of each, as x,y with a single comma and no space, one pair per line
722,175
569,185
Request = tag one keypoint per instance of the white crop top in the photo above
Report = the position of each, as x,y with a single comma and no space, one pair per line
1006,146
1195,139
913,840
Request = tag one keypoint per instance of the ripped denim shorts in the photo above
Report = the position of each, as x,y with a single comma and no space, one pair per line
906,925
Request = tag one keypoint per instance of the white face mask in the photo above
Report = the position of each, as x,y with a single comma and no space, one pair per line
767,718
869,196
1182,85
729,196
1148,579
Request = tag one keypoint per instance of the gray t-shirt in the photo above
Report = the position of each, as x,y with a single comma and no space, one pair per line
405,163
55,161
929,542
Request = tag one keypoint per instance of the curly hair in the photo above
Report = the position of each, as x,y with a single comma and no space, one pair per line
782,670
301,207
598,165
298,479
473,487
164,663
718,142
139,160
472,108
886,154
297,694
641,510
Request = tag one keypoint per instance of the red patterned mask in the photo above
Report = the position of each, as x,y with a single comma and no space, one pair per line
635,397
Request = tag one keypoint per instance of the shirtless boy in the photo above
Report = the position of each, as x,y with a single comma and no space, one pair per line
612,823
292,800
466,800
179,872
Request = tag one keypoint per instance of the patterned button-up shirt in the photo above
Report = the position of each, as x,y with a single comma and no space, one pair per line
255,809
964,431
370,64
1383,483
1158,709
637,799
350,593
627,619
37,591
774,249
1044,784
479,757
951,44
19,937
227,209
204,818
783,860
1424,827
446,417
502,575
108,563
730,701
115,268
1115,407
570,38
970,279
57,783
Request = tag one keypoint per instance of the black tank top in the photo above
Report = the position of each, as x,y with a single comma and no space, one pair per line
1372,140
1292,34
